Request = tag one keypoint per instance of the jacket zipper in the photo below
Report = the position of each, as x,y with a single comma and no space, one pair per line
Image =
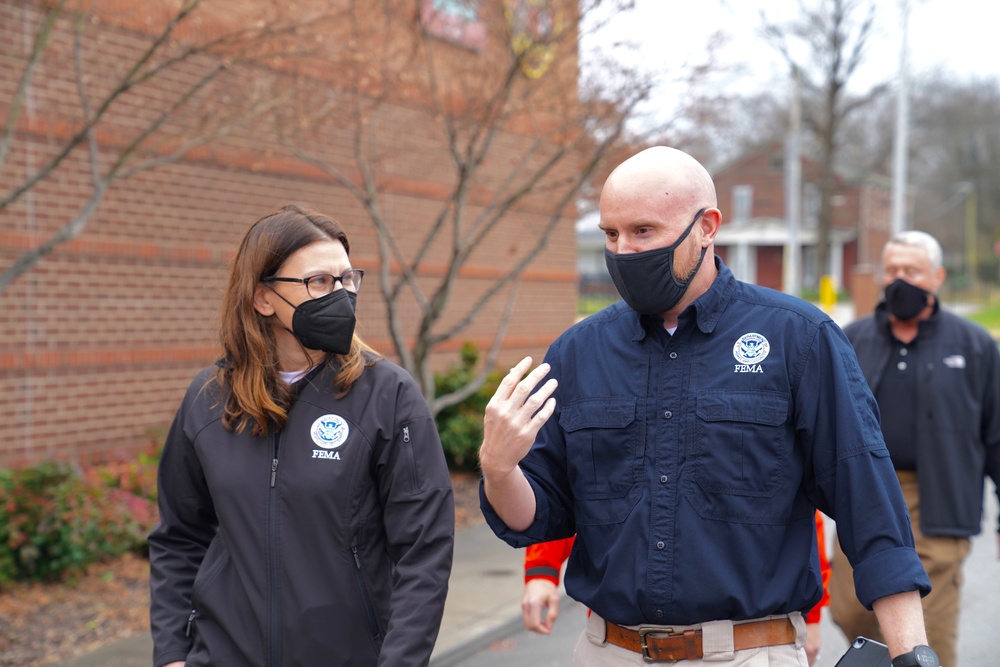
187,630
272,537
365,598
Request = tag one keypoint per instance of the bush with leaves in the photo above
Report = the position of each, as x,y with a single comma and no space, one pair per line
54,522
461,426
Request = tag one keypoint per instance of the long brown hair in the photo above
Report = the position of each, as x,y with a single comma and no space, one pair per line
255,392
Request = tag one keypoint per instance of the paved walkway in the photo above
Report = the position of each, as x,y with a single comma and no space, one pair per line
484,604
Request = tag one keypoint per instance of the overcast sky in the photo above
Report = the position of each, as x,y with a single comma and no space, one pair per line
956,36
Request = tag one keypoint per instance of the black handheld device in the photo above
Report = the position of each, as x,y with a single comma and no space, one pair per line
864,652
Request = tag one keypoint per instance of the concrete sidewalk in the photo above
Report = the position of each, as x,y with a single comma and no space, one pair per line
484,604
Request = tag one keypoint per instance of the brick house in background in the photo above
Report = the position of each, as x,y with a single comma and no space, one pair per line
751,196
99,341
751,193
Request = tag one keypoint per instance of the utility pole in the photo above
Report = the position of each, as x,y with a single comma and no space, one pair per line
971,237
793,190
901,139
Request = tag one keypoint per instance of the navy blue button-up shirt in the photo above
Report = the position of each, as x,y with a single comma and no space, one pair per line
689,466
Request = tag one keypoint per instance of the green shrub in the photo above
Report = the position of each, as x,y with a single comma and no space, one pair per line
461,426
54,522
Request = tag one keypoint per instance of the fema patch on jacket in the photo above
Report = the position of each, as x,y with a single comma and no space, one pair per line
750,350
329,431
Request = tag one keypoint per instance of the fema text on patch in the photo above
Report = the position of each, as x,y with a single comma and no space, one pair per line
326,454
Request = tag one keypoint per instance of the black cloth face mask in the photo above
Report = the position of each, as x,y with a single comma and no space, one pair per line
905,300
326,323
646,280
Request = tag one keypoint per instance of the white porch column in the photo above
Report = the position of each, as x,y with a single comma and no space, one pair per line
837,263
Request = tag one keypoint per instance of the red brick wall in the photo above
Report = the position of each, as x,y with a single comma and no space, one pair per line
100,339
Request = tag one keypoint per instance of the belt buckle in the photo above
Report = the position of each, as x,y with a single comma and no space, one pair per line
645,630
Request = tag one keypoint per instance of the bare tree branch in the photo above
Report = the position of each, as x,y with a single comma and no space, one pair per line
132,78
836,51
37,49
481,110
161,55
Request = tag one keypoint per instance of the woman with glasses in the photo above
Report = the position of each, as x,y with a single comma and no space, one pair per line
306,511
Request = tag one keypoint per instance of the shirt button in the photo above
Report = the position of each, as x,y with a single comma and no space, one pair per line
658,613
673,355
664,479
668,414
660,545
903,352
901,365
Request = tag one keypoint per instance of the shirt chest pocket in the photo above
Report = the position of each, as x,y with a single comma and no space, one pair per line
603,456
741,454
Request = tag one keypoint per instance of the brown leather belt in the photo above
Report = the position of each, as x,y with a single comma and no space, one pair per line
659,644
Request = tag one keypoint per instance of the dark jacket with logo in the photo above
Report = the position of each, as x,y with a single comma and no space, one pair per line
327,543
957,412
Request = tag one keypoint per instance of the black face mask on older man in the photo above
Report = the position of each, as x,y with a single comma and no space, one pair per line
905,300
646,280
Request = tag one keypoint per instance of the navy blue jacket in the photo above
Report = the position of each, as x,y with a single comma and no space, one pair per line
690,466
329,542
957,368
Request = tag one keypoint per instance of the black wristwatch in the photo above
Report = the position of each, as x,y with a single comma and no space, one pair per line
920,656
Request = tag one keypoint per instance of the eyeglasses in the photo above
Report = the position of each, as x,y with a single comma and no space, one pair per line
323,283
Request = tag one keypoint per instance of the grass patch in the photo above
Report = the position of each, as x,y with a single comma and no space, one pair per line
588,305
988,317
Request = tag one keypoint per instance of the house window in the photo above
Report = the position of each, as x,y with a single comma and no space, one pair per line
455,21
742,203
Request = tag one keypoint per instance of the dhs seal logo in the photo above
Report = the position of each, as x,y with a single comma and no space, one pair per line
329,432
750,350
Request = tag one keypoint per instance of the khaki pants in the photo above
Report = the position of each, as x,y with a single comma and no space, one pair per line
942,557
593,651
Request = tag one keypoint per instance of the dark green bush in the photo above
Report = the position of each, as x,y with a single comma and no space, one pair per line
54,522
461,426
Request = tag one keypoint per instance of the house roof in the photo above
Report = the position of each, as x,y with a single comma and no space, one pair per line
772,232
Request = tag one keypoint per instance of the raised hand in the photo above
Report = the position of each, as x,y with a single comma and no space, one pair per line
512,420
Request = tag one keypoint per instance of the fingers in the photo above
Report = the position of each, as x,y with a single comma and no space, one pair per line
514,416
513,388
531,615
539,605
528,384
514,401
553,611
513,377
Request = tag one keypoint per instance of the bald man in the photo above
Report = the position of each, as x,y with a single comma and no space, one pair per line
686,436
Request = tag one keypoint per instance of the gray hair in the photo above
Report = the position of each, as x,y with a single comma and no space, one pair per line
912,237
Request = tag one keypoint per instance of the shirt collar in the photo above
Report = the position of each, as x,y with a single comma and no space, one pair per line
707,309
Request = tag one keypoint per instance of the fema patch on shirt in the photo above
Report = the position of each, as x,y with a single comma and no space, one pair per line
330,431
750,350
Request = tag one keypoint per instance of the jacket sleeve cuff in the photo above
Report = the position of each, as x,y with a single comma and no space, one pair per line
889,572
535,532
168,657
542,572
